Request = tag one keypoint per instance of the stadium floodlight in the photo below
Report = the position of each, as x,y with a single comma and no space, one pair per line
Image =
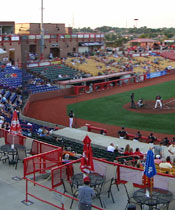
41,32
136,20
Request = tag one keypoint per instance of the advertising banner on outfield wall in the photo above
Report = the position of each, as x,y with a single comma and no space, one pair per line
156,74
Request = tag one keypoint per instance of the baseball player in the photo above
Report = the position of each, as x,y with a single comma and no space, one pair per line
158,102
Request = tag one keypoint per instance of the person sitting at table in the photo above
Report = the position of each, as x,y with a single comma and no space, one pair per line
85,195
166,163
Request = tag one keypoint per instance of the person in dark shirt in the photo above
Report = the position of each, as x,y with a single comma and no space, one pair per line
132,101
165,141
151,138
122,134
137,136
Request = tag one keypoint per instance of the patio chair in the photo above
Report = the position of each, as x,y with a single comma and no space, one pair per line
111,173
129,189
76,168
21,154
69,189
105,188
4,156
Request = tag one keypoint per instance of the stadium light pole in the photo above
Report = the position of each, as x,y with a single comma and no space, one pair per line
136,20
42,33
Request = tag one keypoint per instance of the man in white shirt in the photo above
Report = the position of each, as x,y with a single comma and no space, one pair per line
171,150
165,163
111,148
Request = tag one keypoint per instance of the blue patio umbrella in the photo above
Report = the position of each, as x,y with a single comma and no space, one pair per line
150,169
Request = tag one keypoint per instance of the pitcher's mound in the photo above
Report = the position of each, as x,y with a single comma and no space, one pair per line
168,107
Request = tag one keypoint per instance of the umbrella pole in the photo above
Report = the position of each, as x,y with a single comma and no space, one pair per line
13,146
151,187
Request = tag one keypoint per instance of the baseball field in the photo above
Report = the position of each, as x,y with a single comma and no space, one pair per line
111,110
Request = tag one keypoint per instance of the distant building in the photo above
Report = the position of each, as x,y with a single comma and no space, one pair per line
21,41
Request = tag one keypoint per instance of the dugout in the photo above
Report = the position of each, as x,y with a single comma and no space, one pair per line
97,79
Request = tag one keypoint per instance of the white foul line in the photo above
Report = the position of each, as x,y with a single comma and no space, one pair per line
169,102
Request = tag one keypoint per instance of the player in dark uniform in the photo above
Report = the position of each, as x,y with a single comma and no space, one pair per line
132,101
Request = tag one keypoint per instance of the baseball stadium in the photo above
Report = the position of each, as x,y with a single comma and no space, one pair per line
75,113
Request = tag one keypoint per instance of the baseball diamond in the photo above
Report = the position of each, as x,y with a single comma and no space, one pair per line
61,105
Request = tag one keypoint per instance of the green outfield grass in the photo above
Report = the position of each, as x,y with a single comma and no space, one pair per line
109,110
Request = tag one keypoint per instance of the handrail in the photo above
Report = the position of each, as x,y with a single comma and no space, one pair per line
51,190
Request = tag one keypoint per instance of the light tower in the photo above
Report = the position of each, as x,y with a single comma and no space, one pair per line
42,33
136,20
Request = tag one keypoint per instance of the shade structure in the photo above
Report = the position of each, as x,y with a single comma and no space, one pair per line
87,162
150,169
15,128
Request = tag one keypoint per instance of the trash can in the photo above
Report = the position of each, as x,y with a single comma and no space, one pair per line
131,207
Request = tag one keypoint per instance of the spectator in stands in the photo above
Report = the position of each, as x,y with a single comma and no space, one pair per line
131,151
138,164
111,148
1,105
6,126
137,136
122,133
171,150
157,159
165,141
127,149
1,121
151,138
166,163
116,149
137,152
158,150
66,158
4,100
40,130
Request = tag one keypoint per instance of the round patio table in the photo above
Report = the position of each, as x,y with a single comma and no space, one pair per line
95,179
159,196
7,148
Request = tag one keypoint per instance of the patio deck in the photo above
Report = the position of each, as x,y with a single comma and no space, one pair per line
13,192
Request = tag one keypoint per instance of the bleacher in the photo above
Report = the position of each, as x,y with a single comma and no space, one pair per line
41,88
10,77
52,72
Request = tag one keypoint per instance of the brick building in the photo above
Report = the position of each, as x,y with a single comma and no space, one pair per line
18,40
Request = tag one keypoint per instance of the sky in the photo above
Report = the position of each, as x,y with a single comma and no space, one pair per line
92,13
